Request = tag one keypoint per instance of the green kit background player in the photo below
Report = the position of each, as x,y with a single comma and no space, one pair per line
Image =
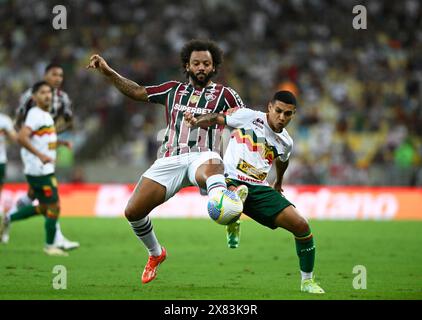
61,111
257,141
38,138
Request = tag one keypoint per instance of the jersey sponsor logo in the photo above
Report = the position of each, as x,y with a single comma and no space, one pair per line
259,123
194,99
246,179
250,170
183,108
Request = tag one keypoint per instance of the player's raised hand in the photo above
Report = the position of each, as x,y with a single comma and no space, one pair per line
98,62
190,119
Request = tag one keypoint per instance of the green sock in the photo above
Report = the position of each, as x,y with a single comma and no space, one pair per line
306,251
50,224
23,213
50,230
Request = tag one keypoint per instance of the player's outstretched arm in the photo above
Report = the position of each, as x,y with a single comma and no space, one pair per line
204,121
125,86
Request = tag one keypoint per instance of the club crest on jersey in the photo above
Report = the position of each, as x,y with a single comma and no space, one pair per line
210,96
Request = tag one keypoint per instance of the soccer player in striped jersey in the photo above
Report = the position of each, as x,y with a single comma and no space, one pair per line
258,141
187,156
61,105
61,111
38,139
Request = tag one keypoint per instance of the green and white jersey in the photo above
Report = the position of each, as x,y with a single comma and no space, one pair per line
43,138
253,147
6,125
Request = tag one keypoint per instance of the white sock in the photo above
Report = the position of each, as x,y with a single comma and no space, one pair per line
59,237
306,275
144,231
216,183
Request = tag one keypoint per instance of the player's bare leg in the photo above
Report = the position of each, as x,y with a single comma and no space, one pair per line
211,168
210,176
291,220
148,194
26,200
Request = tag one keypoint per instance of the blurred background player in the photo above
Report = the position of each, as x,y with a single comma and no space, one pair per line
60,108
259,140
38,139
61,112
6,131
187,157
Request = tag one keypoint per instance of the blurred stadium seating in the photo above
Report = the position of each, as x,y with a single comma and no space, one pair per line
359,119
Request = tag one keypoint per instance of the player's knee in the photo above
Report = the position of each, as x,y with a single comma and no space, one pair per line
301,226
41,209
53,211
132,213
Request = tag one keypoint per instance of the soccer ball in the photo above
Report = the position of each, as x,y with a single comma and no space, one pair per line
225,207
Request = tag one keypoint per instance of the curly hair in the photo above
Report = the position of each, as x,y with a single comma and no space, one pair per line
201,45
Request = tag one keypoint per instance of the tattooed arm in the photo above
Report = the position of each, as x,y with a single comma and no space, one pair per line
125,86
204,121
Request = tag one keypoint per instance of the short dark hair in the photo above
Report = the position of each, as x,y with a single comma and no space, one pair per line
285,96
38,85
52,66
201,45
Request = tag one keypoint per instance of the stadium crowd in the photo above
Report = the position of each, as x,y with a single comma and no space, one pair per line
359,91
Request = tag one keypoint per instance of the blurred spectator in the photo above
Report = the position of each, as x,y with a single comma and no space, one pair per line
359,91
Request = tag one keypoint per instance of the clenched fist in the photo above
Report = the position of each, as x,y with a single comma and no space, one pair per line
190,120
98,62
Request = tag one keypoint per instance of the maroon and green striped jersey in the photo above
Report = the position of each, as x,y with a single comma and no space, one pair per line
180,97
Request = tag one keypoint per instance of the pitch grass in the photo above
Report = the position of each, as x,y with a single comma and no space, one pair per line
200,266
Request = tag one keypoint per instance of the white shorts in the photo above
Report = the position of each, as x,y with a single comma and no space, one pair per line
179,171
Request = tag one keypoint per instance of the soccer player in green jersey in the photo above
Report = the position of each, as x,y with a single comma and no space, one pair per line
38,139
61,112
259,140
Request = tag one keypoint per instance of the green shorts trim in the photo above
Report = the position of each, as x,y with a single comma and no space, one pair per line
263,203
44,188
2,173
